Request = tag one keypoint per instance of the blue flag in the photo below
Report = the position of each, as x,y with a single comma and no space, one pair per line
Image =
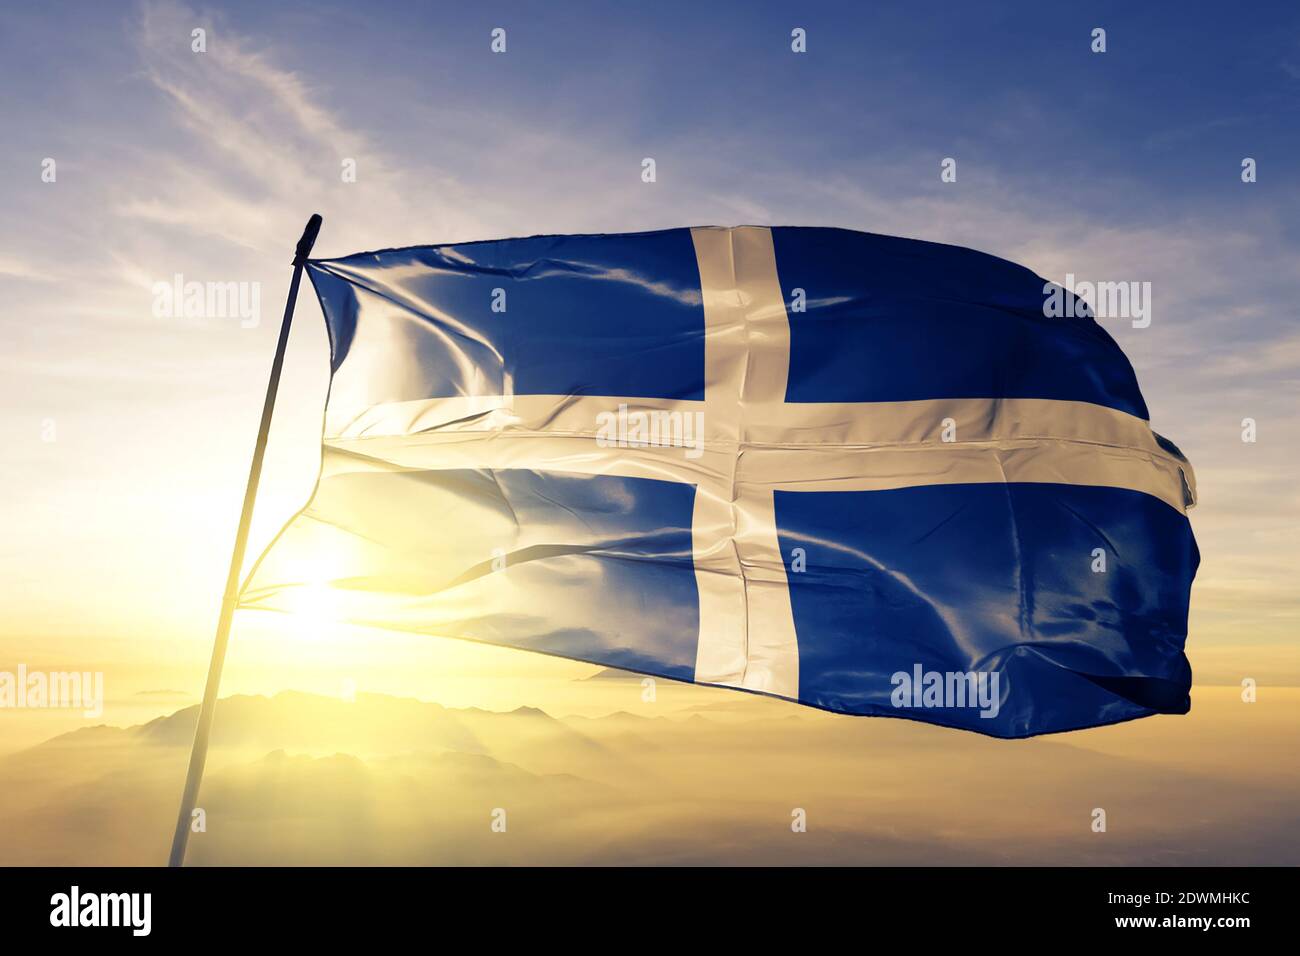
871,475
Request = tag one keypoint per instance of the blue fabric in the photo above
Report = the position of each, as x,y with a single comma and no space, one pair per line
894,320
591,567
584,315
993,578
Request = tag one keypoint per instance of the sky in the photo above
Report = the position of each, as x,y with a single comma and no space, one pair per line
126,436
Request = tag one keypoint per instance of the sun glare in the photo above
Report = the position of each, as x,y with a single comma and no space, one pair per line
313,608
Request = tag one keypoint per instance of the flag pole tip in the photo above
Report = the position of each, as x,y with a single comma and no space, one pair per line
308,239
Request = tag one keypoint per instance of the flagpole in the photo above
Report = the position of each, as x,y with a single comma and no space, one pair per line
199,751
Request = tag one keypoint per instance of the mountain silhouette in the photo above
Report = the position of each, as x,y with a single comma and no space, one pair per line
299,778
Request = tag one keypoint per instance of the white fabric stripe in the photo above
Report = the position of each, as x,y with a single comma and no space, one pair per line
722,652
788,469
872,424
746,358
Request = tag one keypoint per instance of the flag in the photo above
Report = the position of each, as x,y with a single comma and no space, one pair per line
868,474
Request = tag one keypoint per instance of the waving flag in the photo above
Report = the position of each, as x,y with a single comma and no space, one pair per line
863,473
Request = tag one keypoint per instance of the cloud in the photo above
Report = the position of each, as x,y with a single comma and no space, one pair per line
14,268
259,148
301,779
